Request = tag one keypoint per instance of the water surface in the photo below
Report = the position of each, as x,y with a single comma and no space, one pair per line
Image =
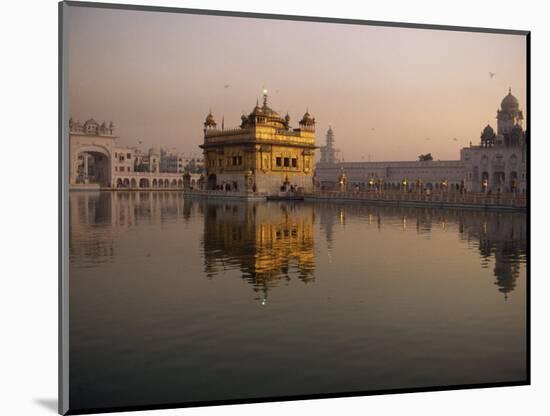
173,300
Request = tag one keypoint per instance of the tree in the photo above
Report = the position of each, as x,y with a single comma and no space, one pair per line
139,166
425,158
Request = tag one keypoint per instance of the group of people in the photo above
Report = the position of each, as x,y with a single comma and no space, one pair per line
287,187
226,186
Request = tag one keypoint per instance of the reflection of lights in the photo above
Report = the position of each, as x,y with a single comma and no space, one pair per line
264,301
342,216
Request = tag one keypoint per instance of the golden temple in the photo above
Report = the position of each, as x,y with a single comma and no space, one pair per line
263,155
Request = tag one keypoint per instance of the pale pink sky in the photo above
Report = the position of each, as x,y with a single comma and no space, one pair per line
389,93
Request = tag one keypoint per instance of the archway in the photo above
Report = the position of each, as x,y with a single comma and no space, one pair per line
174,183
167,183
513,181
484,181
155,183
211,184
93,166
499,179
119,183
180,183
133,183
160,183
126,182
144,183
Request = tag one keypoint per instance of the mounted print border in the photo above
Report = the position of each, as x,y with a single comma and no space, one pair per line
302,189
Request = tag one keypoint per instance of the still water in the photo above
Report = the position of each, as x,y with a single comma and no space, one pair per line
175,300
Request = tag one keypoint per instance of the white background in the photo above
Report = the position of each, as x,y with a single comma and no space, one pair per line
28,205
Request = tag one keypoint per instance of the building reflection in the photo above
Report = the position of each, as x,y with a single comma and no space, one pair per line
95,218
503,238
499,237
89,212
269,243
273,243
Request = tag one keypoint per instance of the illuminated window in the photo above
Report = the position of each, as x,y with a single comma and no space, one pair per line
286,162
294,162
278,161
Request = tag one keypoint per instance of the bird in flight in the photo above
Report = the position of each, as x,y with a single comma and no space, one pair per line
492,74
455,139
427,138
226,86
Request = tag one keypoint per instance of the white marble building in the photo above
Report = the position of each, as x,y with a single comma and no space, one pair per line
497,164
392,175
97,162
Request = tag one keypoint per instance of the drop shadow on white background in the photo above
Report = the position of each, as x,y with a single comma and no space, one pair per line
49,404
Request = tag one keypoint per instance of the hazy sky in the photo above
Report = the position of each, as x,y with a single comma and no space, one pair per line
389,93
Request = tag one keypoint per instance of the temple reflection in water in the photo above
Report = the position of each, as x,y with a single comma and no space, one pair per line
273,243
266,241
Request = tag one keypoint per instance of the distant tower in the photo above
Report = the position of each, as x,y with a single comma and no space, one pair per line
328,152
509,122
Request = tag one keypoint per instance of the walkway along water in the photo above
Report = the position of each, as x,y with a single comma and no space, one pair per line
509,201
513,202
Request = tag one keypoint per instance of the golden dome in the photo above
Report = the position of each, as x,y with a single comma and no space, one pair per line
307,119
209,121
